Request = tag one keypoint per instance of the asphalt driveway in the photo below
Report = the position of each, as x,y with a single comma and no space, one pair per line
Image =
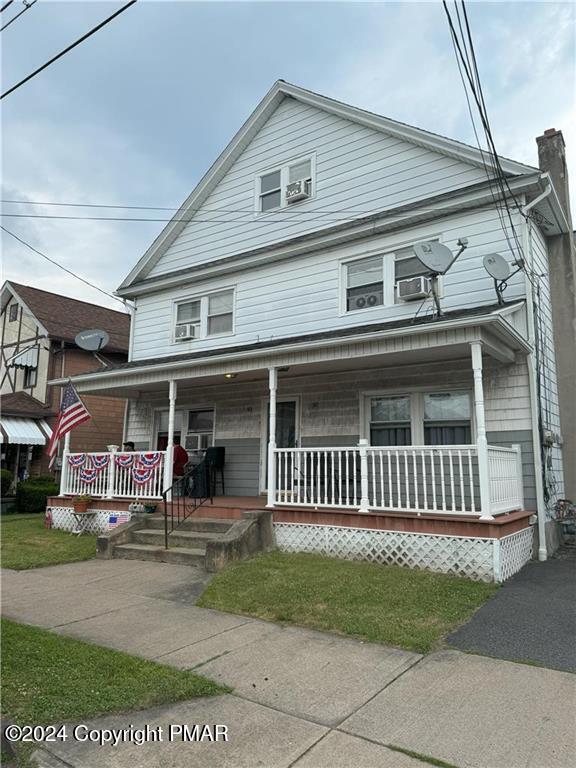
532,618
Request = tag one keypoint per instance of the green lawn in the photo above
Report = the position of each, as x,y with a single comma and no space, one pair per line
47,678
382,604
25,543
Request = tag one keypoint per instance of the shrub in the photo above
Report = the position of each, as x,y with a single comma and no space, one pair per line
6,478
31,495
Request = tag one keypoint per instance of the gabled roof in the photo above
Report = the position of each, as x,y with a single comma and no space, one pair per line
282,90
22,404
63,318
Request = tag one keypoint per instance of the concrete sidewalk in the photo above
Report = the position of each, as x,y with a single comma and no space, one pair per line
301,698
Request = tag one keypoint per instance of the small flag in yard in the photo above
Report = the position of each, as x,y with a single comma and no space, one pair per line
116,520
72,413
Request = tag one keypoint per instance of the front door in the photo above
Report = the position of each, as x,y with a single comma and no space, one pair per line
287,432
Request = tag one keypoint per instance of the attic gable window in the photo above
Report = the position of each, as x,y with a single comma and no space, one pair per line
285,186
205,316
13,313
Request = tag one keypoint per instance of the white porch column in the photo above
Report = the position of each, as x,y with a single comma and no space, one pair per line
273,388
481,441
64,468
364,500
168,460
111,473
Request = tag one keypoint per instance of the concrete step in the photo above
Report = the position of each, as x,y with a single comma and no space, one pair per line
188,539
179,555
201,524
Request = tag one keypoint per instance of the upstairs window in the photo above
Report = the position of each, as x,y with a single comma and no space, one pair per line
205,316
364,283
30,377
13,313
285,186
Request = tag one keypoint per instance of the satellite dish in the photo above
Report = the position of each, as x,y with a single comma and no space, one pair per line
93,341
435,256
496,266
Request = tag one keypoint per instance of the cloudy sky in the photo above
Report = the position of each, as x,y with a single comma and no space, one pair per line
136,114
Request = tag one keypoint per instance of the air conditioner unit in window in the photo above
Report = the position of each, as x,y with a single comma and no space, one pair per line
297,190
366,300
414,288
186,331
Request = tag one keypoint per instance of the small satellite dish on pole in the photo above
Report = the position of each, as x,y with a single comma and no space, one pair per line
435,256
438,258
93,340
499,269
496,266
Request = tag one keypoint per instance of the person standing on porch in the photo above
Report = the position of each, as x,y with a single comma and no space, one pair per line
180,459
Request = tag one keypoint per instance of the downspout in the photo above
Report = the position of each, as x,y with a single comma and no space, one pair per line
532,383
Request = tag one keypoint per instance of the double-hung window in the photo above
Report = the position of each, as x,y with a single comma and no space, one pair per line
30,376
420,418
273,186
364,283
205,316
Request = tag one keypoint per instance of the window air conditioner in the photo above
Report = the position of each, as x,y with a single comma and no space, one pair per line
297,190
367,300
185,331
193,442
414,288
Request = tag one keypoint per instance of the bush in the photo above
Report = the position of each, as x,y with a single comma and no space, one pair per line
31,495
6,478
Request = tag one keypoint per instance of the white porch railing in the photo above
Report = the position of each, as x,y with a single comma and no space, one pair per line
137,475
420,479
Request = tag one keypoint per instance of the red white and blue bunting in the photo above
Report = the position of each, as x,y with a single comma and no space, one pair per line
141,475
124,459
89,474
150,460
99,462
77,460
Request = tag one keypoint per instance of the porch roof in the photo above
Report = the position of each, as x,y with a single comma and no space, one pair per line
485,323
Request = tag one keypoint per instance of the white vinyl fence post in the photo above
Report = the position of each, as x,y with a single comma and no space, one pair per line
64,468
111,477
170,443
519,477
482,443
363,451
273,387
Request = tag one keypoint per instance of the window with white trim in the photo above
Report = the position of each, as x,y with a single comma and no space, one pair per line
205,316
276,188
364,283
420,418
30,376
13,313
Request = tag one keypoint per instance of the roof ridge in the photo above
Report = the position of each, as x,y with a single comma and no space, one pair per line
67,298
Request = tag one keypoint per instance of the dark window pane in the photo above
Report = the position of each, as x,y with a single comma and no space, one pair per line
270,201
400,435
365,296
447,434
411,267
270,181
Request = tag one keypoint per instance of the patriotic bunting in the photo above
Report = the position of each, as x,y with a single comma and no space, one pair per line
141,475
150,460
89,474
124,459
77,461
99,462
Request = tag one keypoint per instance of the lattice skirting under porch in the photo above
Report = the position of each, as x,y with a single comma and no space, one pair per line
104,519
480,559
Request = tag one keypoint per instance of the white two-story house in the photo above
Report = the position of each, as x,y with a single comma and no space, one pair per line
381,409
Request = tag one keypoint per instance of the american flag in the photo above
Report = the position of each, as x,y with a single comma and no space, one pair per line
115,520
72,413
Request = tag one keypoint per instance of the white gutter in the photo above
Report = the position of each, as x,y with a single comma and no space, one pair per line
530,205
410,330
533,388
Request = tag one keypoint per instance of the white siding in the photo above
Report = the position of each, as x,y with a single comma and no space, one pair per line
550,408
358,169
302,295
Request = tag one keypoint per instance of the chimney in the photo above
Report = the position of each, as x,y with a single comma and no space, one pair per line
562,270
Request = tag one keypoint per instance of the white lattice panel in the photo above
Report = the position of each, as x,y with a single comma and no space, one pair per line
459,555
63,519
515,551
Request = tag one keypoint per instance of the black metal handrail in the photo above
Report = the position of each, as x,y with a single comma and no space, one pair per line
186,494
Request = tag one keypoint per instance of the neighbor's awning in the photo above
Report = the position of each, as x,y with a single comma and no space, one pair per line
24,431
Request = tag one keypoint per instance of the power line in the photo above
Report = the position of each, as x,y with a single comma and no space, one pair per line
69,48
27,7
31,247
6,5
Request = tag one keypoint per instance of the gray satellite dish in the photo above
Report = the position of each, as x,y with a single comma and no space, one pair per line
93,341
496,266
435,256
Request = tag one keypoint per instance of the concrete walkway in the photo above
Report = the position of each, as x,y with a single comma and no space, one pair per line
531,618
301,698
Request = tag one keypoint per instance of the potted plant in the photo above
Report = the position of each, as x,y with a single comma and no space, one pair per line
80,503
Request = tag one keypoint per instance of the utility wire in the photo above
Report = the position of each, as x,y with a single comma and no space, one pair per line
27,7
6,5
69,48
87,282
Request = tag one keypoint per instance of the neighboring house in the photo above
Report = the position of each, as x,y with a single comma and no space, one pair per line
271,319
38,331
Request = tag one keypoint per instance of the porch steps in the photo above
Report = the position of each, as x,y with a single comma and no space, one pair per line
181,537
200,524
178,555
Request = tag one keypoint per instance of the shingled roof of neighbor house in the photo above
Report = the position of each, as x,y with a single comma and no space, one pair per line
22,404
63,317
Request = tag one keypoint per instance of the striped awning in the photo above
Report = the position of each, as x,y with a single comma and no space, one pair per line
24,431
27,358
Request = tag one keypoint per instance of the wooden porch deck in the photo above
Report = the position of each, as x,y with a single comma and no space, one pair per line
232,507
